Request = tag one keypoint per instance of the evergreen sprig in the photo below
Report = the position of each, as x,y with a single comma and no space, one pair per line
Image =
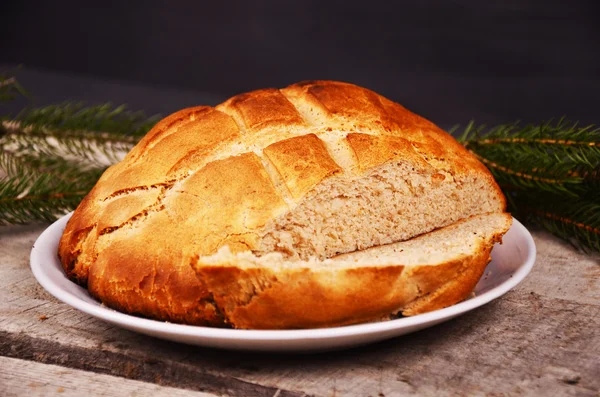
27,197
575,220
550,174
51,157
103,122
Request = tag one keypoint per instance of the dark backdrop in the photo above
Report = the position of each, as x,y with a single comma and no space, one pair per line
451,61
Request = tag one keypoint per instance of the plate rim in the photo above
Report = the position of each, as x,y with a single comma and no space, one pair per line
227,334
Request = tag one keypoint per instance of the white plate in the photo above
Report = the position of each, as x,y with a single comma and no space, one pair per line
511,262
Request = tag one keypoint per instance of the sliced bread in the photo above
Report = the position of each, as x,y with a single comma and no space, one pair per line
429,272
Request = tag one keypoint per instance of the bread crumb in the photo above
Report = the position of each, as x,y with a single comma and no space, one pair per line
60,390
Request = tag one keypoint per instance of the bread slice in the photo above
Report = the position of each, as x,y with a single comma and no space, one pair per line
314,170
429,272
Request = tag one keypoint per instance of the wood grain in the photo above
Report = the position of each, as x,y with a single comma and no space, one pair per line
20,377
541,336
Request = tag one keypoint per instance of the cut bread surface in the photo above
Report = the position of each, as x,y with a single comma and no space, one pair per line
449,243
429,272
391,203
308,172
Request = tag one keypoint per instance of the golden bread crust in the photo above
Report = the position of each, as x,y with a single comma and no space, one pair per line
302,162
257,297
305,298
160,285
204,178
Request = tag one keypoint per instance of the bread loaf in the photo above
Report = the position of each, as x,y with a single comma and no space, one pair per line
231,216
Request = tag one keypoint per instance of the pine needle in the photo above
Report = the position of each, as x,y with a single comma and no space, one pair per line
52,156
550,174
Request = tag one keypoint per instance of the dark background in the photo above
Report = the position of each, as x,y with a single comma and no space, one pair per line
450,61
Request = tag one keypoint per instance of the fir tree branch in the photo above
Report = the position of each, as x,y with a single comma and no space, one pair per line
575,220
78,130
538,153
538,141
68,170
41,188
549,174
50,157
101,148
105,120
531,179
27,199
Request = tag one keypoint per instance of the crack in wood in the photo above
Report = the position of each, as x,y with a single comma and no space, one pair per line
35,307
165,373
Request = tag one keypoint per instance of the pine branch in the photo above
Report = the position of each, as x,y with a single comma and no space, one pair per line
550,174
67,170
51,157
101,148
78,130
72,128
103,122
557,158
41,188
576,220
26,198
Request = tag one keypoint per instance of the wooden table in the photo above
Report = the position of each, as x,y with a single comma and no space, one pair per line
542,338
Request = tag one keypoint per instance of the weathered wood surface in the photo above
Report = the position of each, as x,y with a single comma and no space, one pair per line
543,338
30,378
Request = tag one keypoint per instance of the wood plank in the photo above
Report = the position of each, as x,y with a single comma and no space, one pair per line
141,365
541,336
561,272
28,378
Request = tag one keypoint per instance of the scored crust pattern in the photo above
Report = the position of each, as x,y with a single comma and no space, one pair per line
207,177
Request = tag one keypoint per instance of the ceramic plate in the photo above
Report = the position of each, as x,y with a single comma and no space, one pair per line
511,262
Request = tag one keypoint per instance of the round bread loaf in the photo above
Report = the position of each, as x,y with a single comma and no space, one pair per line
243,215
